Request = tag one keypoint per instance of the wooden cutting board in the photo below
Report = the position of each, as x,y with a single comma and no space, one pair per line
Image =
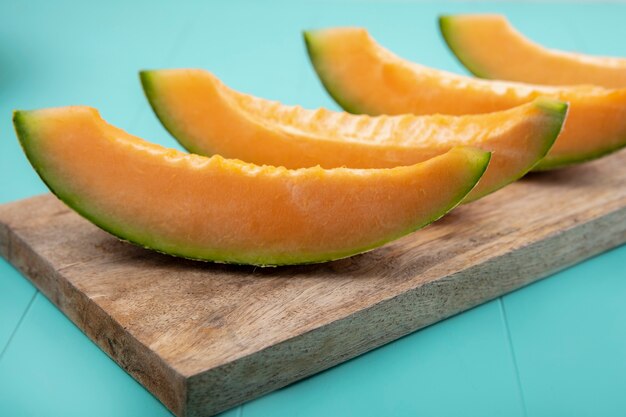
204,337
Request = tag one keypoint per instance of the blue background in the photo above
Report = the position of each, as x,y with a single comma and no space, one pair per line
556,348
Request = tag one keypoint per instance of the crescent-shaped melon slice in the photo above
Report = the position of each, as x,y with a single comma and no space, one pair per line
230,211
209,118
363,77
488,46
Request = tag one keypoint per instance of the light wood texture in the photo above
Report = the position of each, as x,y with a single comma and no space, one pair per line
204,337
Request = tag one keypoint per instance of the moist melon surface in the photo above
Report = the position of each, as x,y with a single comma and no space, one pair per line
229,211
490,47
208,118
363,77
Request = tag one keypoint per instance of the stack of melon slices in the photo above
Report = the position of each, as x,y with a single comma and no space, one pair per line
318,185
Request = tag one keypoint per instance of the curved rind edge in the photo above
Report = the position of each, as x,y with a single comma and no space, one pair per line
550,163
309,42
557,110
24,138
147,83
446,24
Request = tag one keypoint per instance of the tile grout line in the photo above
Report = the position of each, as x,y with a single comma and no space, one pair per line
518,378
18,325
169,56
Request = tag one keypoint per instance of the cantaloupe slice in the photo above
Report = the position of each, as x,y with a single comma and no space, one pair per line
363,77
230,211
209,118
490,47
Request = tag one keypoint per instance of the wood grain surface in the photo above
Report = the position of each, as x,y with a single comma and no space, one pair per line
204,337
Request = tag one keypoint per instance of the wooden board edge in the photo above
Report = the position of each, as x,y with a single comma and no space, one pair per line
168,386
217,390
5,241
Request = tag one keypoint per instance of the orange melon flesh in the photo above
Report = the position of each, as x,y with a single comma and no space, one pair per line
488,46
363,77
209,118
230,211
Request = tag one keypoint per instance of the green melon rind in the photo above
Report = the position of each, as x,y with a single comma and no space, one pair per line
160,109
27,140
23,127
551,163
331,88
446,28
446,24
556,114
555,110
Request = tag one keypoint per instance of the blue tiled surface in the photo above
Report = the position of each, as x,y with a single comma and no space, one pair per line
556,348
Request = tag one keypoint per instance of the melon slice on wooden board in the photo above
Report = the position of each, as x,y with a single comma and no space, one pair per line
230,211
490,47
208,118
363,77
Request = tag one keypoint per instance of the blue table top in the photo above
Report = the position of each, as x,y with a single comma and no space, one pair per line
555,348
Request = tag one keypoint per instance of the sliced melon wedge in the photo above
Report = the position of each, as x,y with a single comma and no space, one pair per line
209,118
363,77
230,211
490,47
